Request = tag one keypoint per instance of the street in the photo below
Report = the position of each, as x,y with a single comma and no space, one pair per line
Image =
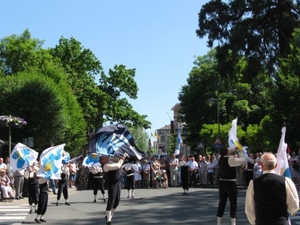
150,206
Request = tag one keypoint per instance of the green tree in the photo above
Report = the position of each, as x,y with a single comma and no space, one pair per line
286,96
258,30
140,137
51,111
120,82
81,66
237,97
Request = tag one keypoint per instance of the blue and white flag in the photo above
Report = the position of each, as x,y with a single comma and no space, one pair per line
115,140
89,160
22,157
73,159
179,141
282,161
65,158
51,162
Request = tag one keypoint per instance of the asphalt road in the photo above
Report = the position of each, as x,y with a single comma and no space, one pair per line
150,206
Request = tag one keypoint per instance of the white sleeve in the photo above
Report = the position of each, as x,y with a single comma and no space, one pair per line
250,204
113,166
292,199
233,161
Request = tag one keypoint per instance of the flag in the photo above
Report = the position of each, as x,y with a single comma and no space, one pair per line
282,161
65,158
22,157
115,140
51,162
233,141
155,134
90,159
179,141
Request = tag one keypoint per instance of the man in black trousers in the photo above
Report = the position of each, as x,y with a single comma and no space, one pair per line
111,168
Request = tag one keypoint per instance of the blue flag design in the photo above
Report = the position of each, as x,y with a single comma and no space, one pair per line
22,157
115,140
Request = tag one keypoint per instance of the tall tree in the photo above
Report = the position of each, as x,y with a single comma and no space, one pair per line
286,97
258,30
236,97
119,83
51,111
82,65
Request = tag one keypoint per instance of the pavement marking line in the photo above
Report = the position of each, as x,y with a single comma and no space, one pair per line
13,217
14,210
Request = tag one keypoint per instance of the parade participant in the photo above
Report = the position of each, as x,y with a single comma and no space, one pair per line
184,166
260,207
43,200
33,188
129,170
111,169
62,185
227,185
98,180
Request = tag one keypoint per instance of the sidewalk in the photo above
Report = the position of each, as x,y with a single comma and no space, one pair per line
24,201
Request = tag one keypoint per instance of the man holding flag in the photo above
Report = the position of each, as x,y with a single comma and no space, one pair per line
273,195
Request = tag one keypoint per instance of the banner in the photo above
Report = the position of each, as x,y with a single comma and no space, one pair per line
22,157
51,162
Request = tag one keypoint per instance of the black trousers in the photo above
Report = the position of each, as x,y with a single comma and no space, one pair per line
62,188
33,193
43,202
130,182
98,183
227,189
114,193
185,181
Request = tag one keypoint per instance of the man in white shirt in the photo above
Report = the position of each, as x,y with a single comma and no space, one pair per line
193,169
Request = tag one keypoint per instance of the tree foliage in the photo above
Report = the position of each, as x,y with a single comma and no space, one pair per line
258,30
51,111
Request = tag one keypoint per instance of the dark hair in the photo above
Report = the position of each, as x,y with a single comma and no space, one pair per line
223,151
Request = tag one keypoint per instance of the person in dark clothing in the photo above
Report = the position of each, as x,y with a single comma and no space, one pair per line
98,180
183,164
43,200
112,170
33,188
130,182
227,185
63,186
270,197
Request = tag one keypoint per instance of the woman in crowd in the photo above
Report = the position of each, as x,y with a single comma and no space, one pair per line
6,185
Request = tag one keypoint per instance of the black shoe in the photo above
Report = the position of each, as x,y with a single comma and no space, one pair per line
36,220
17,198
35,211
56,203
104,200
30,211
105,218
42,220
94,200
67,203
108,223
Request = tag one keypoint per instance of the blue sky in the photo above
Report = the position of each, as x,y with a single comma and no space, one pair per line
155,37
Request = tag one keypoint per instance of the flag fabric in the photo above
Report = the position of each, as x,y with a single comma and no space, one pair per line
233,141
51,161
155,134
65,158
89,160
282,161
115,140
179,141
22,157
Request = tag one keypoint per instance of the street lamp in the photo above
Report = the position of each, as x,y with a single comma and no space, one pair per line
215,100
